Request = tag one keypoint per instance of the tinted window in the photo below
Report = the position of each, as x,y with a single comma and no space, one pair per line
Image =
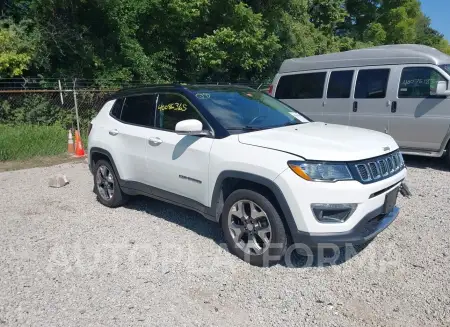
238,109
419,82
301,86
372,84
139,110
117,108
172,109
340,84
446,68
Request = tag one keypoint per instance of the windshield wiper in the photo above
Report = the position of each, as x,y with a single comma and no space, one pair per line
245,128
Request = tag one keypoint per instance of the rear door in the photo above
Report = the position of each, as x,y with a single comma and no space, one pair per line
421,119
304,92
371,107
134,116
337,105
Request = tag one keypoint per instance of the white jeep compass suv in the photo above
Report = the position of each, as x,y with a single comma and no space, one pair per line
265,172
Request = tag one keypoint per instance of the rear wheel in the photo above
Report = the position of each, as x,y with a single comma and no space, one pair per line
106,185
253,228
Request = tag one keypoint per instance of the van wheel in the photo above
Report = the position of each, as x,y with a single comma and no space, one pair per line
253,229
106,185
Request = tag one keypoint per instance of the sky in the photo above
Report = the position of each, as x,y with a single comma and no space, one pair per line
439,12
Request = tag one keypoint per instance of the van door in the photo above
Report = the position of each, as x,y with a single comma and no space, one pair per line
370,108
419,120
337,104
304,92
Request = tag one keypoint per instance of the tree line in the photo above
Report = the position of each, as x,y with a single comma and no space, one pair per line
195,40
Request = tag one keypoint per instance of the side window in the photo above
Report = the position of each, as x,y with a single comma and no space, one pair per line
340,84
301,86
116,110
139,110
172,109
372,84
419,82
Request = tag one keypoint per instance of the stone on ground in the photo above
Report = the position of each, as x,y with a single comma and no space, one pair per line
57,181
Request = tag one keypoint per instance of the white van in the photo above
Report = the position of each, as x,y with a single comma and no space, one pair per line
401,90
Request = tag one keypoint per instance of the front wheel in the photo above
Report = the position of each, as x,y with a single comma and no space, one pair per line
253,229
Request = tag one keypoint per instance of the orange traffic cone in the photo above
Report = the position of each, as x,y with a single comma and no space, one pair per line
70,145
79,151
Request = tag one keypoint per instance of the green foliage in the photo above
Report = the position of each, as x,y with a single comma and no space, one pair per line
26,141
178,40
34,109
17,47
241,46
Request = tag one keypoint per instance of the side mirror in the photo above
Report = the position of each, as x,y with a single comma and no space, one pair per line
192,127
442,90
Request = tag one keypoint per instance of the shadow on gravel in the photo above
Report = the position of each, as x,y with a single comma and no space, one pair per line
325,257
426,163
180,216
197,223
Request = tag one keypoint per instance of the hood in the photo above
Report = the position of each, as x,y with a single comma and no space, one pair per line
323,141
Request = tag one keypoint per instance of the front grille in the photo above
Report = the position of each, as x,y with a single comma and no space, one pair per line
376,169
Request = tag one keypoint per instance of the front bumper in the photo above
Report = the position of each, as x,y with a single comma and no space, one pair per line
367,229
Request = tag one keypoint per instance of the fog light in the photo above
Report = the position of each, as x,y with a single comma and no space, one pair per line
333,213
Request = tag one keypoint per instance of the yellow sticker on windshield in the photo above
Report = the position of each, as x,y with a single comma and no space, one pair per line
173,106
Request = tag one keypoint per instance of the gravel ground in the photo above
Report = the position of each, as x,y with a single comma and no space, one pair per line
65,260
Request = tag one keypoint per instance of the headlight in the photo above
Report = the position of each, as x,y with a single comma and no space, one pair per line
322,171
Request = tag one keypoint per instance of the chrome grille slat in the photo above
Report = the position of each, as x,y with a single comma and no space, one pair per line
363,172
373,170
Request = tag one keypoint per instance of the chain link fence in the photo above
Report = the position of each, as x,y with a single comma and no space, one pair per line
68,103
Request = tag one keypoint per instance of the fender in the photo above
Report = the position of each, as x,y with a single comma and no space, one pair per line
217,200
106,153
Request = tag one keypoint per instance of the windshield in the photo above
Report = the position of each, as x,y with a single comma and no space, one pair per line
242,109
446,68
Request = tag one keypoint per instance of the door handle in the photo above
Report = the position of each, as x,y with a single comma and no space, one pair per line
355,106
113,132
154,141
394,106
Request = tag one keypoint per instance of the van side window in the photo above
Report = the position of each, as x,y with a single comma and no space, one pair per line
340,84
301,86
139,110
372,84
419,82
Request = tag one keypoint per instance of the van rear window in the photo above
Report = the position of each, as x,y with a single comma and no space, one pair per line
301,86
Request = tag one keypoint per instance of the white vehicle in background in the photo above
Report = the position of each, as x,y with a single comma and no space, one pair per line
401,90
243,159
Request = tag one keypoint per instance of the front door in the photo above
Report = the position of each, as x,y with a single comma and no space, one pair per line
180,163
421,120
371,108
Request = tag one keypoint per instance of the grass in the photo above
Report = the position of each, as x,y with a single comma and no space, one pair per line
28,141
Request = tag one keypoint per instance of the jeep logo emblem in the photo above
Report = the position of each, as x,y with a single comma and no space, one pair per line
386,148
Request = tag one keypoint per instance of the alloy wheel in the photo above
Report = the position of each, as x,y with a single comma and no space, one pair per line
105,183
250,227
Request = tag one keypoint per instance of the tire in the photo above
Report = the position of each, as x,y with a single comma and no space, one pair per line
447,155
110,195
259,238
